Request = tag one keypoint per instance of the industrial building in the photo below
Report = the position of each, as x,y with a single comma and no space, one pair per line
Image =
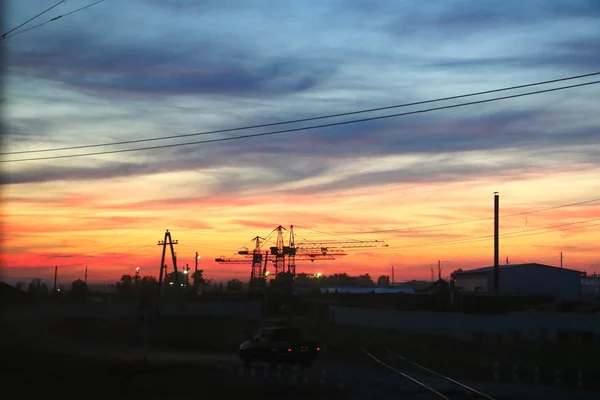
562,283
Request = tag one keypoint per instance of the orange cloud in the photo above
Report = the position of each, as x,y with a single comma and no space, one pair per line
113,234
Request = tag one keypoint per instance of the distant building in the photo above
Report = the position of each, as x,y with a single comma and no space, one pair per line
533,278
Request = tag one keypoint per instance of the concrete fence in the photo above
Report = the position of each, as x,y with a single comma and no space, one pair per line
560,377
518,325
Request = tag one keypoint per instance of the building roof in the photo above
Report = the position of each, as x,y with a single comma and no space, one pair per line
485,270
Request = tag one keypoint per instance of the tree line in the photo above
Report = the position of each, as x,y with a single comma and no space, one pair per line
196,281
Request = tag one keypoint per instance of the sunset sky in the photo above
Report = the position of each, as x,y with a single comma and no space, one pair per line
138,69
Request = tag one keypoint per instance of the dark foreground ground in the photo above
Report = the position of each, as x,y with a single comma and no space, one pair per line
194,356
36,374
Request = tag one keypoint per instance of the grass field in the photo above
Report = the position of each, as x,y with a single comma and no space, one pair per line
340,343
36,374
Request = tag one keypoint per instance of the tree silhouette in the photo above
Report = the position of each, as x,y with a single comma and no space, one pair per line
125,285
235,285
198,278
147,284
383,281
38,287
79,290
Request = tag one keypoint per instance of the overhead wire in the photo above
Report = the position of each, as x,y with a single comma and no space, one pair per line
313,127
466,221
32,18
507,235
52,20
327,234
363,111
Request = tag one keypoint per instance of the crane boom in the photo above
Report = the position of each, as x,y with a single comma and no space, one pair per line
325,246
232,260
303,257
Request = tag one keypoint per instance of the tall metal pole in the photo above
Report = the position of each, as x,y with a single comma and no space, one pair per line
85,278
392,275
561,258
196,268
496,242
55,276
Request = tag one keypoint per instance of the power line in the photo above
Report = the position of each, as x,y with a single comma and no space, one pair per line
303,119
32,18
52,19
508,235
325,233
466,221
302,129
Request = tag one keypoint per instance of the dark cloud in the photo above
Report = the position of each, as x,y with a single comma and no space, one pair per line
169,67
581,55
303,155
459,18
118,65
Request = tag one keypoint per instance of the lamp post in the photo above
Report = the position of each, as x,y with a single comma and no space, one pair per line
195,276
137,278
318,277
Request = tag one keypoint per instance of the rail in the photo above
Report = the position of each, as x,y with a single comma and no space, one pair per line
424,385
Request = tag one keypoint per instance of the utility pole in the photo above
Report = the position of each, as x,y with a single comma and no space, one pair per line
85,278
168,240
496,242
392,275
431,274
196,268
55,276
561,259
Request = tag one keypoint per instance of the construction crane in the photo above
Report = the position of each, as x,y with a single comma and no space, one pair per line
280,254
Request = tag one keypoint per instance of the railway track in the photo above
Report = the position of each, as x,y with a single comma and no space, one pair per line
429,384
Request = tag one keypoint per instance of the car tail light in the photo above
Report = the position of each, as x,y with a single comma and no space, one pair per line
318,348
289,350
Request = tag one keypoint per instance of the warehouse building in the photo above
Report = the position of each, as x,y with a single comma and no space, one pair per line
562,283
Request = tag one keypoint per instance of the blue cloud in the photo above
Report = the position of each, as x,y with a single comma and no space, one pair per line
144,68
